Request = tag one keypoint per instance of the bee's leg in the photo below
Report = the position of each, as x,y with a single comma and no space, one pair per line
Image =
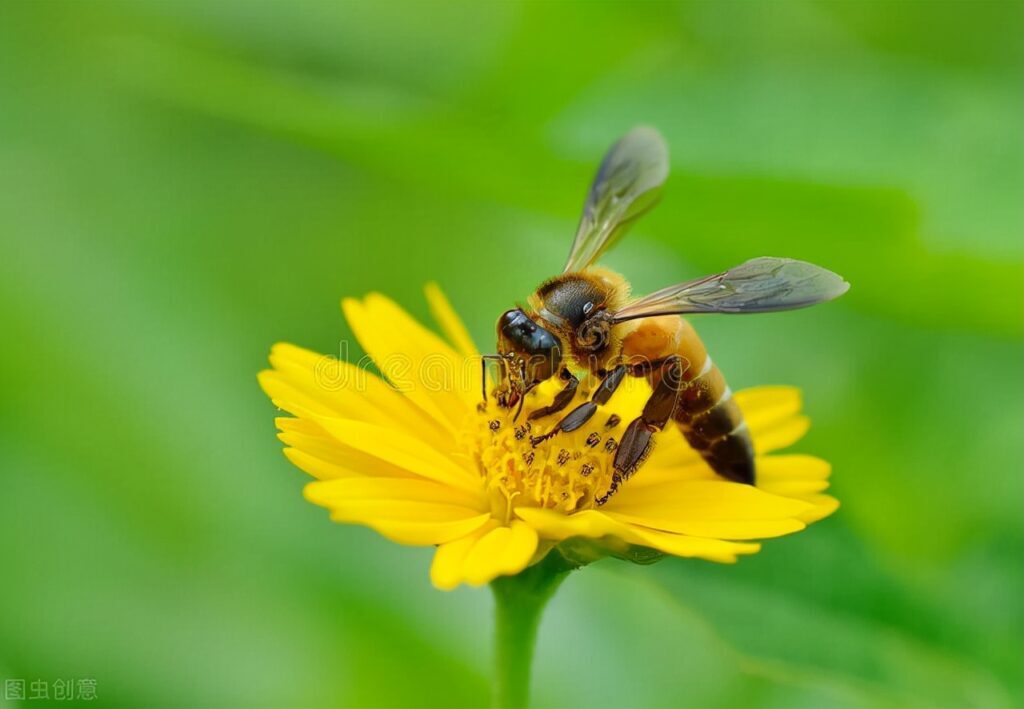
582,413
562,398
635,445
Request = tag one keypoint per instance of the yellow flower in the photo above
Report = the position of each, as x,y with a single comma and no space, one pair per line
421,461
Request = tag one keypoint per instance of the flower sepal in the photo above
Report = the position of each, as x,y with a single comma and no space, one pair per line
584,550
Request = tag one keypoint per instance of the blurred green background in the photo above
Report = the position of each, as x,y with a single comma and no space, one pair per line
183,184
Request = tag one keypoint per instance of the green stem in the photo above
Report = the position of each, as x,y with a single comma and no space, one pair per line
518,604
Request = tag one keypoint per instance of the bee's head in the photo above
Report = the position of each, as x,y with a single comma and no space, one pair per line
530,354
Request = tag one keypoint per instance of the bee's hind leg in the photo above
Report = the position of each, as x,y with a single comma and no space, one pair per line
636,442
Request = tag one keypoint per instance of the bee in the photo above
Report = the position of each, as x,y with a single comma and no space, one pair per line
584,321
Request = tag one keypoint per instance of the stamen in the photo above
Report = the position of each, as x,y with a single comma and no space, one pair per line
566,472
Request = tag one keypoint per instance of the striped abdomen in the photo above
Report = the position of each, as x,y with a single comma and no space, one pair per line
709,418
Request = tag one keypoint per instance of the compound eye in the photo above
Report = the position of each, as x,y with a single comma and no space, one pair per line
508,318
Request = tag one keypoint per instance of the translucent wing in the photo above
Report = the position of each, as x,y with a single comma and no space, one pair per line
760,285
628,183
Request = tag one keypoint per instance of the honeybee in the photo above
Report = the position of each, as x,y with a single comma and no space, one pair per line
584,320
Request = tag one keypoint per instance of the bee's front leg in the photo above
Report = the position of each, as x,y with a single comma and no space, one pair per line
562,398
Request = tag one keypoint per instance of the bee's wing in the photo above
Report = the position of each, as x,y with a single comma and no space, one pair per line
627,184
760,285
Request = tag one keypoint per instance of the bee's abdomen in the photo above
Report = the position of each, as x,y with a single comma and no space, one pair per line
710,420
713,425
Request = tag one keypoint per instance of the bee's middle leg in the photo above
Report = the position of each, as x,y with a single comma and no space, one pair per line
562,398
582,413
635,445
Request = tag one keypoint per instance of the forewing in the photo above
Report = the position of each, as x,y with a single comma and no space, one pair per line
760,285
628,183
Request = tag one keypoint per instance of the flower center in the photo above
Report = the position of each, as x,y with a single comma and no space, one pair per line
566,472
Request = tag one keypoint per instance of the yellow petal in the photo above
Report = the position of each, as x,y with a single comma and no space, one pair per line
328,457
786,475
401,450
416,361
684,545
449,376
671,447
671,460
446,571
708,508
772,415
342,389
663,471
287,394
310,438
766,405
449,322
304,426
822,506
403,521
317,467
792,475
331,493
594,524
398,510
781,434
416,533
333,384
502,551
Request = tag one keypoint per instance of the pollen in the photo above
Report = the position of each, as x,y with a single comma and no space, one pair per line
568,472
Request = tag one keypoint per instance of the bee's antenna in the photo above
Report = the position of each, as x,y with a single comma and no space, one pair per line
483,373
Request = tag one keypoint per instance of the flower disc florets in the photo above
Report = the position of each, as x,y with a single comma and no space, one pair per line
567,472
